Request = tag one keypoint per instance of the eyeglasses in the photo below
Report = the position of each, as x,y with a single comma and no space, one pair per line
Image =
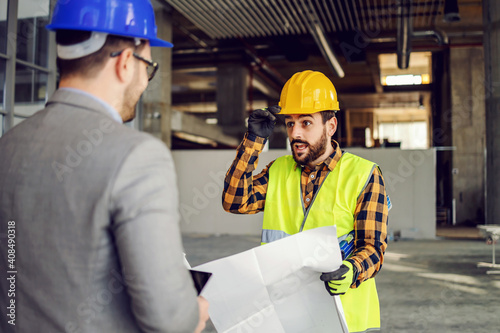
152,66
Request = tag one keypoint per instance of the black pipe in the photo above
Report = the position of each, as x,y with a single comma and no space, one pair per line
451,11
404,33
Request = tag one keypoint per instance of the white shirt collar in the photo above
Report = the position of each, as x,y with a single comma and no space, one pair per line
112,112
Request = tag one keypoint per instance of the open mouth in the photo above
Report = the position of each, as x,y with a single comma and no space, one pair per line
300,147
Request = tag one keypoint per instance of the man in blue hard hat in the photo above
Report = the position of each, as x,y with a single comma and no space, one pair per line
89,205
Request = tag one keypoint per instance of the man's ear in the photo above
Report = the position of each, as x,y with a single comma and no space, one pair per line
331,126
124,66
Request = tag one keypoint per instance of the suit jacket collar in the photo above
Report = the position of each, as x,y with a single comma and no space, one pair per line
83,100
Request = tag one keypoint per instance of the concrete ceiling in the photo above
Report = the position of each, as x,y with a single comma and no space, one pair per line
277,38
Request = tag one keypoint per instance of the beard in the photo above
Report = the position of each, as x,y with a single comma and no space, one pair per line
131,97
314,151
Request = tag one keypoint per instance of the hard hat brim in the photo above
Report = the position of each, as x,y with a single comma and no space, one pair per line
154,42
297,111
302,111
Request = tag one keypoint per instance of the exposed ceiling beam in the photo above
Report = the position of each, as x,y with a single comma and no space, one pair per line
382,100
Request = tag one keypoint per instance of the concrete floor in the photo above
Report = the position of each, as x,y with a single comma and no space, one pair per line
424,286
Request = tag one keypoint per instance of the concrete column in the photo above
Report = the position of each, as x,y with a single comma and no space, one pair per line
468,133
232,97
157,99
491,17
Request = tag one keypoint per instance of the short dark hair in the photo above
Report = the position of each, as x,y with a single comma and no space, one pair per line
89,65
327,115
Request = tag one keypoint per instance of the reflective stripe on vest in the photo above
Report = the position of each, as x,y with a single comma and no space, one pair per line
269,236
333,204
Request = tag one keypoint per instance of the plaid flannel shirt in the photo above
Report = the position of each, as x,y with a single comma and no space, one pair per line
246,194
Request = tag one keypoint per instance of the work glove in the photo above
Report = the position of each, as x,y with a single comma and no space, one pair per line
261,122
339,281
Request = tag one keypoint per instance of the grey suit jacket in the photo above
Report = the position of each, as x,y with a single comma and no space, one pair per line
94,206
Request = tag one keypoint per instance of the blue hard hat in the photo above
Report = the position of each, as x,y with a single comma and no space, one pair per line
128,18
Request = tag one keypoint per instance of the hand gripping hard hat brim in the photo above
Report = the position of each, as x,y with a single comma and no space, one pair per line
308,92
127,18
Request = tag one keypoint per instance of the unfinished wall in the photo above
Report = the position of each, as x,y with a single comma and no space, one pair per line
409,176
469,134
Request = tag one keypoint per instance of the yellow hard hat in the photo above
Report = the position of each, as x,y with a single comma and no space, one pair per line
308,92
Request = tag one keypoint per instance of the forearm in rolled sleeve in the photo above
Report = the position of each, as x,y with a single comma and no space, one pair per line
146,230
370,227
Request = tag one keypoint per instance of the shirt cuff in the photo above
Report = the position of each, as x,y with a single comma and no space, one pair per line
355,272
253,141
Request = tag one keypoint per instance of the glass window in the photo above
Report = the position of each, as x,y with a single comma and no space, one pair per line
32,37
411,135
31,85
418,72
3,26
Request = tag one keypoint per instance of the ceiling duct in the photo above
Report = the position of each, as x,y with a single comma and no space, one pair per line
404,32
233,19
451,11
221,19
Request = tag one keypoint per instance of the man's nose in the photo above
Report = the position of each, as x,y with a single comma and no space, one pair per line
296,132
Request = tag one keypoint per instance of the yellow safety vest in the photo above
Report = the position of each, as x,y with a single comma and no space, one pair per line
333,204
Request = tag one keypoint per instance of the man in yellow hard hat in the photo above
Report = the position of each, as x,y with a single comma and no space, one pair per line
318,185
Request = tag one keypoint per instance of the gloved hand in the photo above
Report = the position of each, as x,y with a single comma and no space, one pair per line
339,281
261,122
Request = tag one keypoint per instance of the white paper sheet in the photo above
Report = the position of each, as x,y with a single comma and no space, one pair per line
276,287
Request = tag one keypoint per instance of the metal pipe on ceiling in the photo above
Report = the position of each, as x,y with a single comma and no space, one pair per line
404,33
440,36
263,64
195,38
327,51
